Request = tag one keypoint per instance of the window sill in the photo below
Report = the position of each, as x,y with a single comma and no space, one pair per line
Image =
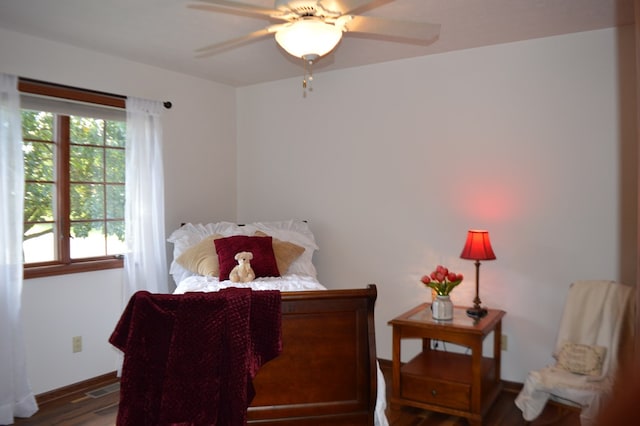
72,268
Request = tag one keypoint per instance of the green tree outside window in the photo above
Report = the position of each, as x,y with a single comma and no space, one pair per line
74,187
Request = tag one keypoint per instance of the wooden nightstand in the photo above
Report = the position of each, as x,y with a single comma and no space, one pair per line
447,382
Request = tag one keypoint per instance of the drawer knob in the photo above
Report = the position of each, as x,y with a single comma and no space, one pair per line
433,392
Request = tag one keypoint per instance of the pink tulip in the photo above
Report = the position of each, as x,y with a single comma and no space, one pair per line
442,270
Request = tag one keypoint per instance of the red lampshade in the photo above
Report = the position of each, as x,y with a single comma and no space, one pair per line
478,246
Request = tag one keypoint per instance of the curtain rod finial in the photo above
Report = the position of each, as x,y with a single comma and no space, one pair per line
167,104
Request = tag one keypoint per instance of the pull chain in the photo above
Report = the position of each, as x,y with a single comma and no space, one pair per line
307,80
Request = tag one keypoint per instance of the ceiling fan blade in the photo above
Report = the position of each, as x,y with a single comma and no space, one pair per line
218,5
345,6
216,48
402,31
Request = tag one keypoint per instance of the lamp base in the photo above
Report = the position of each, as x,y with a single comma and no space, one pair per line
476,312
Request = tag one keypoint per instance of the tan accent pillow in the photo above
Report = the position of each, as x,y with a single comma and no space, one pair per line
201,258
581,359
285,251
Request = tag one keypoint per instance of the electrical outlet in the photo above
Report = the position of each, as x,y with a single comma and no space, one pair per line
76,343
503,342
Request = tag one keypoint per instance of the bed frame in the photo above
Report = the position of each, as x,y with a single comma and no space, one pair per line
326,373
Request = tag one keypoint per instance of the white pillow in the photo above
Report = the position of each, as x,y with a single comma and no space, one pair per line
297,232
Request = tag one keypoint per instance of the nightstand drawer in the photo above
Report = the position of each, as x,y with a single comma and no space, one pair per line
430,391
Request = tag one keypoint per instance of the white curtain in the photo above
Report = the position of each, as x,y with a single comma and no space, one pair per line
145,261
16,397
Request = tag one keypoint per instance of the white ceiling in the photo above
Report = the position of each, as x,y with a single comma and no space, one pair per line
164,33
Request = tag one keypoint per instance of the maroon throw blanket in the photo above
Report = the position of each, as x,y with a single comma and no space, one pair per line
190,359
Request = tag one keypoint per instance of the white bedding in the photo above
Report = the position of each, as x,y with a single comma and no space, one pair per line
290,282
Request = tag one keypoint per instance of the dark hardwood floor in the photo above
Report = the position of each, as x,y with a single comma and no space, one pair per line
77,409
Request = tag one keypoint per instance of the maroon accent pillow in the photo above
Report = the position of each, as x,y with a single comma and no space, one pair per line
263,262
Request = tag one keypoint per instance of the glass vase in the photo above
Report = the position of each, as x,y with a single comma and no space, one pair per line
442,308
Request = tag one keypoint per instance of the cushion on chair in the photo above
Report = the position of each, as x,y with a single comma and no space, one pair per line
581,359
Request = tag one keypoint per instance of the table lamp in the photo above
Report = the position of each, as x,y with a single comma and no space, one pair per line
477,247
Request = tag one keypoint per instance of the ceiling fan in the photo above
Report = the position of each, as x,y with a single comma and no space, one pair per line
313,28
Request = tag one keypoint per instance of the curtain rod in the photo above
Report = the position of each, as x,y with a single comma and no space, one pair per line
167,104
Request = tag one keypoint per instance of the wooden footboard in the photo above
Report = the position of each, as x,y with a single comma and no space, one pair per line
326,373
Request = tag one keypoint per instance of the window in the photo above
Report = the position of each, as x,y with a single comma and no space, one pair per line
74,160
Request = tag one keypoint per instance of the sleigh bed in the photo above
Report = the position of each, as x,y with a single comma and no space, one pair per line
326,371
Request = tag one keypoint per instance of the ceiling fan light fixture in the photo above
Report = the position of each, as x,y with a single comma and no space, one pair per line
309,38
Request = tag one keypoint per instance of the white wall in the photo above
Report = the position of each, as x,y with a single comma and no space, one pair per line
56,309
199,157
393,163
